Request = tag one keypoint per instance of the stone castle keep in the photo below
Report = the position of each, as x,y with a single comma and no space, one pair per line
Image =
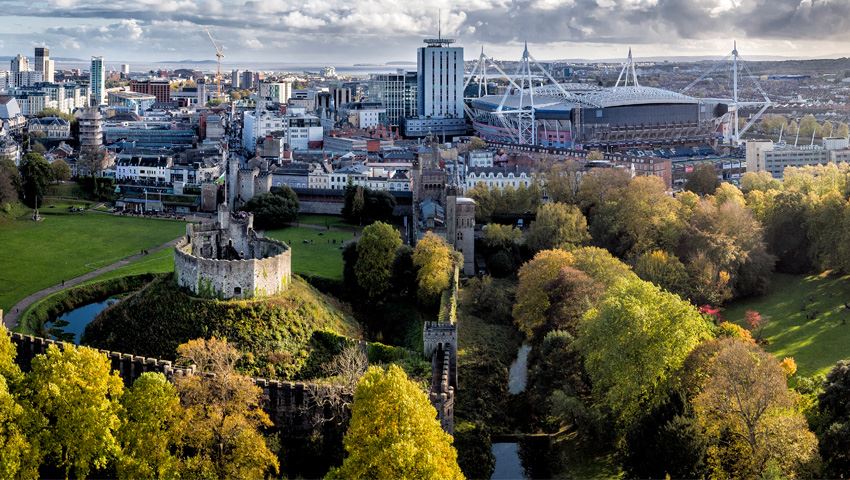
226,259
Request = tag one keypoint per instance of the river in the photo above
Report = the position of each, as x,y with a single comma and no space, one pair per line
70,325
508,461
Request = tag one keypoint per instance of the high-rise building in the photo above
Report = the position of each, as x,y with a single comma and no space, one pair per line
440,85
20,64
236,79
44,64
397,93
158,87
247,80
342,95
97,81
125,69
279,92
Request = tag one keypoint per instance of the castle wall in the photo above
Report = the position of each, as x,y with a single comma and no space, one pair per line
214,278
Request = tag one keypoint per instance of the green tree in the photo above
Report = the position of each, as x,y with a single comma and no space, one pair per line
151,434
394,432
834,408
61,170
562,181
433,259
702,180
76,397
557,226
376,251
364,206
54,112
785,232
36,175
762,181
10,181
358,205
634,342
501,237
224,415
274,209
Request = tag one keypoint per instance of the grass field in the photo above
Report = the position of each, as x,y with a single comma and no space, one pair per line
816,343
324,220
36,255
313,250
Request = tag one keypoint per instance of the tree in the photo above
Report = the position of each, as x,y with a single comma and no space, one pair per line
152,431
394,432
571,294
760,181
501,237
557,226
55,112
664,270
532,298
702,180
634,342
834,407
748,411
433,259
756,323
376,251
364,206
224,415
563,180
358,205
36,175
76,397
18,458
61,170
274,209
600,265
10,182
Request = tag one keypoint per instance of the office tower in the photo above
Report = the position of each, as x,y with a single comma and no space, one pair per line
20,64
341,95
247,80
440,81
158,87
125,69
44,64
236,79
97,81
279,92
396,92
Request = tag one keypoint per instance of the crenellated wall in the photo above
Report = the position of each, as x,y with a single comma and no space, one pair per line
296,407
440,345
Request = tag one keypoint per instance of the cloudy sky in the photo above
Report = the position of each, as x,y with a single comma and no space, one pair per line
355,31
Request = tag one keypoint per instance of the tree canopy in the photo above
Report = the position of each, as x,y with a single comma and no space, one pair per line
557,225
394,432
433,259
376,252
274,209
36,175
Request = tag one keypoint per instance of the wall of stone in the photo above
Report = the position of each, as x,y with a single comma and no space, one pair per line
440,345
213,278
323,208
298,407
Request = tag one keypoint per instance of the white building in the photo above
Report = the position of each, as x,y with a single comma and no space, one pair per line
20,64
366,117
498,178
299,130
144,169
479,158
53,128
440,80
279,92
97,81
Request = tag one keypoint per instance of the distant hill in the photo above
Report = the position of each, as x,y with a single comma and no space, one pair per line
187,61
57,59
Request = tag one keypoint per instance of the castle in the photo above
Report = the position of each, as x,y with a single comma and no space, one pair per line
226,259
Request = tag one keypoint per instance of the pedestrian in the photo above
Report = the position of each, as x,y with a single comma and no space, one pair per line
63,283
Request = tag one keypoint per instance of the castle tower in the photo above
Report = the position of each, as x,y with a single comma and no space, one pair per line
460,227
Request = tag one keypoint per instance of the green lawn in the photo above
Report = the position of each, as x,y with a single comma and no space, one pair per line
817,343
324,220
313,250
36,255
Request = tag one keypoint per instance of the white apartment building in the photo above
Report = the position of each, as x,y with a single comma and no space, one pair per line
499,178
97,81
296,128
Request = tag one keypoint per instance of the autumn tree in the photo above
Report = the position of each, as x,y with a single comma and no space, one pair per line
634,342
557,225
224,414
375,254
151,435
18,457
75,397
571,294
433,259
759,181
662,269
532,297
498,236
748,412
756,323
562,181
394,432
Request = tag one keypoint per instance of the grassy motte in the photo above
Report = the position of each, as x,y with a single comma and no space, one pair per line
816,342
273,332
37,255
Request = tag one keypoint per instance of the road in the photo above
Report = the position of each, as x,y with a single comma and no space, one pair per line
10,318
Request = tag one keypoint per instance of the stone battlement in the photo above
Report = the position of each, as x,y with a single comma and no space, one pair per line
440,345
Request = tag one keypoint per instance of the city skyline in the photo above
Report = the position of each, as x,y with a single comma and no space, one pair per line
380,31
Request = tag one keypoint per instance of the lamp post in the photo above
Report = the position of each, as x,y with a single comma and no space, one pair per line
145,206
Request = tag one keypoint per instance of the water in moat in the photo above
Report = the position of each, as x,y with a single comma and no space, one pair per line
518,375
70,325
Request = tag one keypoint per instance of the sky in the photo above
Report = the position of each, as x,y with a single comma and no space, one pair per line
345,32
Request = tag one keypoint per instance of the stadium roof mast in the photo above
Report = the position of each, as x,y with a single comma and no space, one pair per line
628,67
736,103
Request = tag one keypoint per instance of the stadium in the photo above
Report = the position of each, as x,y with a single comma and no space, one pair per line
616,117
532,111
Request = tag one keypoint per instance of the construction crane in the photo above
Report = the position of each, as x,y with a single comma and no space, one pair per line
219,54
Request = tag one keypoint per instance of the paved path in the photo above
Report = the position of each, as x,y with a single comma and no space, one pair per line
10,318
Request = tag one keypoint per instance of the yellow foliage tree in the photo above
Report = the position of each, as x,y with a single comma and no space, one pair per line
532,299
394,432
433,257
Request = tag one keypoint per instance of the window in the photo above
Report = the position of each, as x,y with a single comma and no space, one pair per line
237,290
